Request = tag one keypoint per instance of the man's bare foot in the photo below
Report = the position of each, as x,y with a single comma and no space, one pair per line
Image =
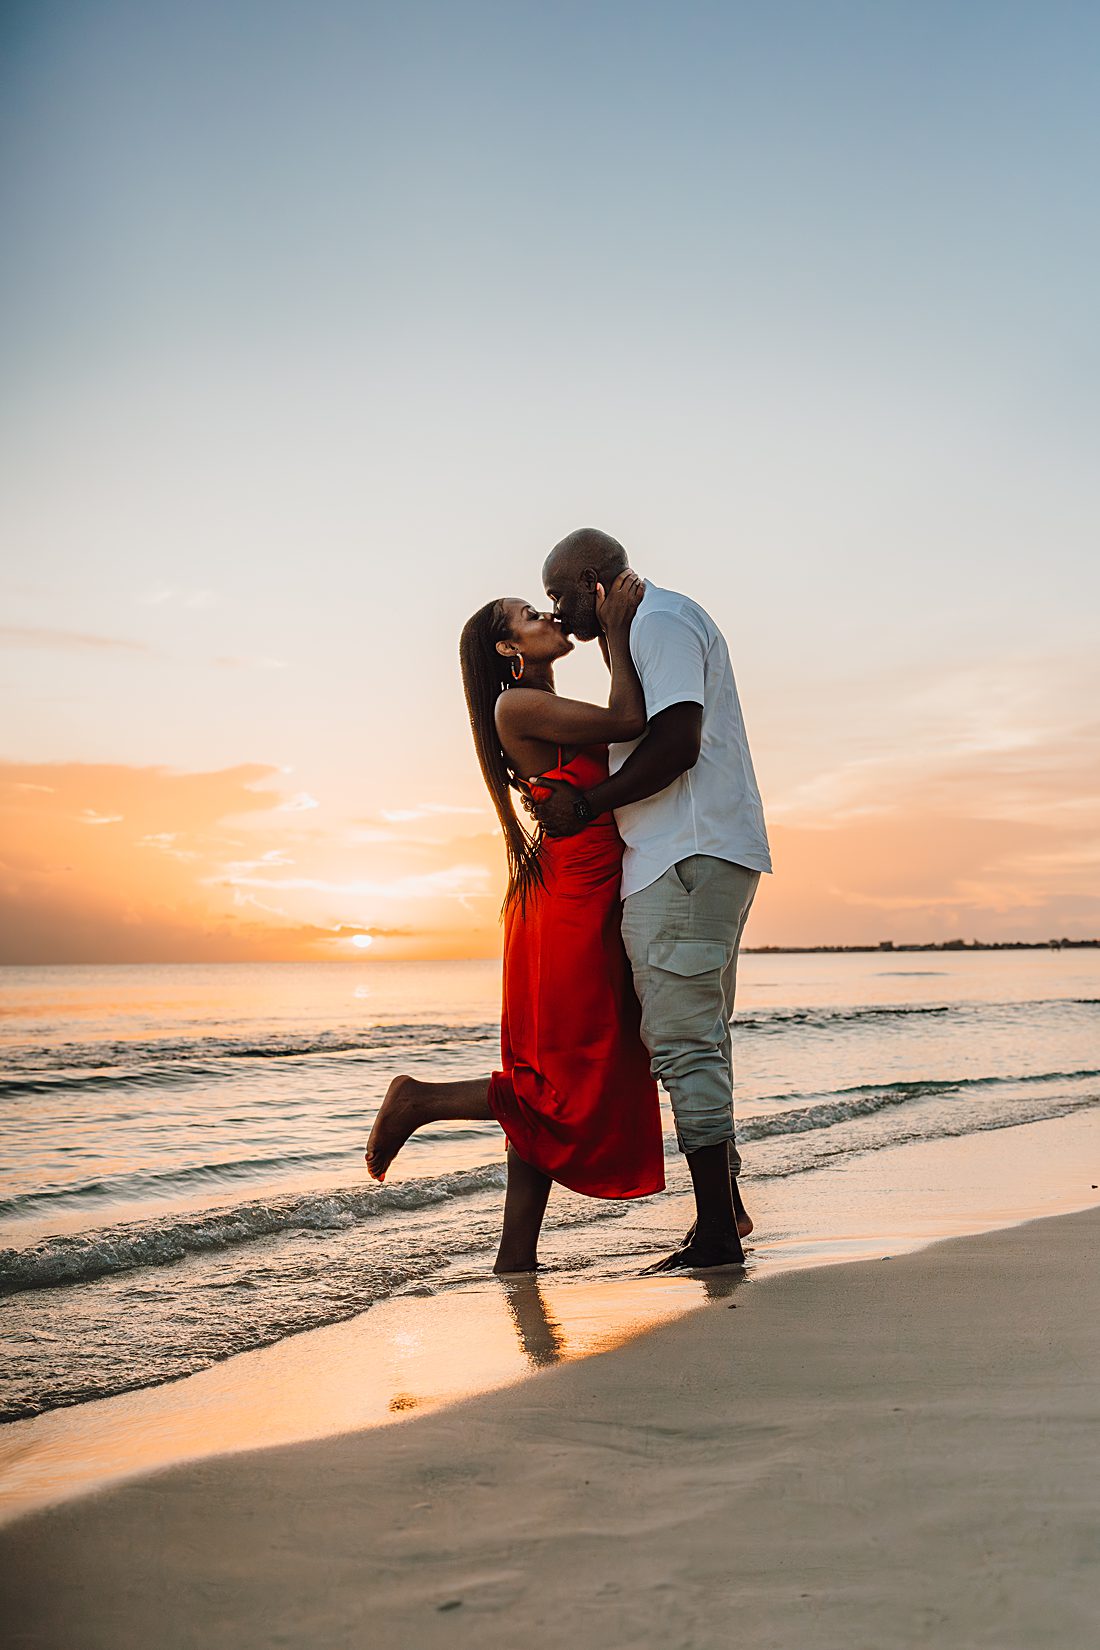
744,1227
399,1115
740,1214
698,1257
513,1266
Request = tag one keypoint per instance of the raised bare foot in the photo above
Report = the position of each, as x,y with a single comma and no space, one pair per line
398,1116
699,1257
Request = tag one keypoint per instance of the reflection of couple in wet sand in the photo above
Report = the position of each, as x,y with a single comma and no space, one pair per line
633,889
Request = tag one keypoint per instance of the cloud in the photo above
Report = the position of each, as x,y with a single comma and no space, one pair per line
427,810
453,882
204,865
926,874
231,661
986,740
164,841
374,932
178,596
958,836
237,870
72,640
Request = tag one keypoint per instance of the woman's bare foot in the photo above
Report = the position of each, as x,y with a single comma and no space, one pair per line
399,1115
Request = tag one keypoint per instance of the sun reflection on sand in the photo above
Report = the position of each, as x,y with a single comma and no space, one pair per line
403,1358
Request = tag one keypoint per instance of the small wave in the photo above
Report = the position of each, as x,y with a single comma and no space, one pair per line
154,1062
124,1248
138,1182
157,1242
920,1089
804,1119
874,1014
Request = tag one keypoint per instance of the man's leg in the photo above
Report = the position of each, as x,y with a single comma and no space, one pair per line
681,935
729,987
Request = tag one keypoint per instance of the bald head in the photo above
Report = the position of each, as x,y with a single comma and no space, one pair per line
586,548
571,573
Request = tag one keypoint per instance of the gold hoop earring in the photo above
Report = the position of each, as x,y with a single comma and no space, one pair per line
516,674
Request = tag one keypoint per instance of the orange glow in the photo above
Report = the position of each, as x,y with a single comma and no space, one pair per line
128,864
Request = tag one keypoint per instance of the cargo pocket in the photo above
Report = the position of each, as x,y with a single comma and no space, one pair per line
687,957
683,1000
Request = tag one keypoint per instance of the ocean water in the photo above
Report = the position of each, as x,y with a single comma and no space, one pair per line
181,1172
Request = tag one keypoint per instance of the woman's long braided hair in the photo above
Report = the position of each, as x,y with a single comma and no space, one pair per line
486,674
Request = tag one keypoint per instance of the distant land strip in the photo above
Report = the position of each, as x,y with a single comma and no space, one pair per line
916,945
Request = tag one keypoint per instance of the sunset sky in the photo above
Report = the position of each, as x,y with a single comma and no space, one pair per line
322,322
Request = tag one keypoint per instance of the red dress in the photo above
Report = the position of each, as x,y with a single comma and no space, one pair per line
576,1098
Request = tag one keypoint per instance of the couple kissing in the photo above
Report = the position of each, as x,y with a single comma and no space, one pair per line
627,899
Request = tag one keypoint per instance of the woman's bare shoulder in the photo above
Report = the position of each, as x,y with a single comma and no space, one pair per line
515,709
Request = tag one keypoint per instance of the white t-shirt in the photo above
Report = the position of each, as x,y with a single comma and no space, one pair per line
714,808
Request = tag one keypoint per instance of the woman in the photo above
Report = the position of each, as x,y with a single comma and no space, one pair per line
575,1097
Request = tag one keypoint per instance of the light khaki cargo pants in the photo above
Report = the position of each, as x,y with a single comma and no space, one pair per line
682,935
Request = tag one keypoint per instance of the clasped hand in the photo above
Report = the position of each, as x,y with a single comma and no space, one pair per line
555,813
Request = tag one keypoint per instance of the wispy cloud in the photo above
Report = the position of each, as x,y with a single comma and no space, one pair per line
165,843
238,870
90,817
455,882
427,810
1004,742
234,661
73,640
177,595
298,804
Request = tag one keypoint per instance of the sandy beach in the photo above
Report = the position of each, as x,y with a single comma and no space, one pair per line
886,1453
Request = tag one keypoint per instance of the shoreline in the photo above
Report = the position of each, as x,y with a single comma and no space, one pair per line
867,1454
471,1335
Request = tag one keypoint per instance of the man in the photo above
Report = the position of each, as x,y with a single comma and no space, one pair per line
688,809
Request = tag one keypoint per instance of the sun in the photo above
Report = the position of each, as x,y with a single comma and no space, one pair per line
361,941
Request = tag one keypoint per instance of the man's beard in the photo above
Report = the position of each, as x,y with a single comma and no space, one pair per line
581,621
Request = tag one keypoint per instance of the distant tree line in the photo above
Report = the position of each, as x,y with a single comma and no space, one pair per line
1063,944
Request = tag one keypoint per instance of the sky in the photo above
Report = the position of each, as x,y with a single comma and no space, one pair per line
321,323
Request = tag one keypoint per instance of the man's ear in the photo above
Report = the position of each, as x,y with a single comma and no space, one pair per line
589,578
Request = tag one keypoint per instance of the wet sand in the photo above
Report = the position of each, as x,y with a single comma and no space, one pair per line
887,1453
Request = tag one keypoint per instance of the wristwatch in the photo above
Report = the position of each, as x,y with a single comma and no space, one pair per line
583,808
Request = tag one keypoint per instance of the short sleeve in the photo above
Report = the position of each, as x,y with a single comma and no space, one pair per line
669,654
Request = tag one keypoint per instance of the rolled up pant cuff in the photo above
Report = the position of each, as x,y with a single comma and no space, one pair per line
698,1140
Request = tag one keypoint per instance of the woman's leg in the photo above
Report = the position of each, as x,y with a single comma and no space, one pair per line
524,1207
409,1104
